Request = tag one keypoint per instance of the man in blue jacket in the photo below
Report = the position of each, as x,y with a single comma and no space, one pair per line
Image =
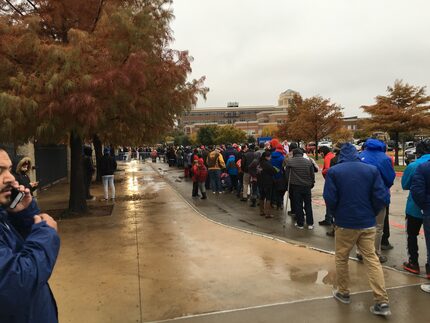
355,193
420,191
374,154
27,258
414,214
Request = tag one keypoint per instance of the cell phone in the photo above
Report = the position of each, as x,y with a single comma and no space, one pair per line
15,198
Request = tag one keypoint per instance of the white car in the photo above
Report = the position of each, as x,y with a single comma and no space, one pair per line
328,144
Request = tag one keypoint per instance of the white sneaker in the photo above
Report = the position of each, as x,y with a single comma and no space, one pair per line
298,226
425,288
310,227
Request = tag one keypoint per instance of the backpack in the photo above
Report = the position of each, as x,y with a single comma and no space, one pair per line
212,160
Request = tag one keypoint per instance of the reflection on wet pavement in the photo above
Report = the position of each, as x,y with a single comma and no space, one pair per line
157,258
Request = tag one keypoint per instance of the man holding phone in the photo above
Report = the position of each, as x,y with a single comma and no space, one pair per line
27,258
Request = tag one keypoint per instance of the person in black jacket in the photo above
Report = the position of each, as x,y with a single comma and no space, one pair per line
22,172
88,171
300,172
108,167
265,172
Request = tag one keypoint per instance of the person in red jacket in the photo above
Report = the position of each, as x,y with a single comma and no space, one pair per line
328,155
194,176
201,174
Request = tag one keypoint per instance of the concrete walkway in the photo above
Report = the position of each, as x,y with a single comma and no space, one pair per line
157,258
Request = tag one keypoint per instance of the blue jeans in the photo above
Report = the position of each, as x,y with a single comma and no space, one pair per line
215,179
426,223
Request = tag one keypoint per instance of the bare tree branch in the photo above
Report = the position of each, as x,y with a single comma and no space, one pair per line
14,8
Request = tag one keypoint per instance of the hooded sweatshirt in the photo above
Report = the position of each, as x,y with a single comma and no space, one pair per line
354,191
231,166
277,161
374,154
420,188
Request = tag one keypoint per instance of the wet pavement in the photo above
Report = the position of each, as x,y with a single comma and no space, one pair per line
163,256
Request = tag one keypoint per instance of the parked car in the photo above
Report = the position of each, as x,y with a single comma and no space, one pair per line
328,144
410,155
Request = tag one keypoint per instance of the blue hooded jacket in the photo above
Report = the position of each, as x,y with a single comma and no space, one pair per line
354,191
25,267
411,208
277,160
231,166
420,187
374,154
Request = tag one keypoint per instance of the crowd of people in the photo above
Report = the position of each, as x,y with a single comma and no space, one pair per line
356,192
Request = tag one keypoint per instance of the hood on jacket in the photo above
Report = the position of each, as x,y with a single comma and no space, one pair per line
375,144
277,155
348,153
280,148
22,162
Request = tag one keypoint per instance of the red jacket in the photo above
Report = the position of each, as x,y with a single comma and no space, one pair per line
201,172
326,166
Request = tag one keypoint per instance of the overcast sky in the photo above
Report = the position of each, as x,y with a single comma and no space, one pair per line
347,50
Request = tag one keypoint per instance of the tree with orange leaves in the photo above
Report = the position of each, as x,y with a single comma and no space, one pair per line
405,109
74,68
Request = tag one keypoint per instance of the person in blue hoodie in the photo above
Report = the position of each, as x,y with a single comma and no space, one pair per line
279,185
414,214
27,259
420,191
375,154
355,193
233,171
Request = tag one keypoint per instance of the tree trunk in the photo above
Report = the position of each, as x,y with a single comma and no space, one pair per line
99,154
316,149
77,201
396,149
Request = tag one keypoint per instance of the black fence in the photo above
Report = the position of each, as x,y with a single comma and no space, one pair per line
51,163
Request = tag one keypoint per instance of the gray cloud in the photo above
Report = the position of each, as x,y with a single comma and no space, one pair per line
349,51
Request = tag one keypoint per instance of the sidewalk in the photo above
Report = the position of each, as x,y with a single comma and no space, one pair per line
157,258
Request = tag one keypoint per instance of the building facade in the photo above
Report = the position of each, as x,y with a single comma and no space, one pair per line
251,119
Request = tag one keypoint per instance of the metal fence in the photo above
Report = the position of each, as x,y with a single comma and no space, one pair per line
51,163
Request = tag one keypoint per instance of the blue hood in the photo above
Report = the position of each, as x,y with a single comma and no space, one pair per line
375,144
348,153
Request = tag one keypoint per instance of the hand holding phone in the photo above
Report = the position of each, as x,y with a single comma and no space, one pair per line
15,198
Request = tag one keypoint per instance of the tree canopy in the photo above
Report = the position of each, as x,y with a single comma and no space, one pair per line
404,109
75,68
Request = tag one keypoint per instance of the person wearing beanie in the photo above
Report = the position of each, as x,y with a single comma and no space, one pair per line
300,173
107,169
414,214
355,193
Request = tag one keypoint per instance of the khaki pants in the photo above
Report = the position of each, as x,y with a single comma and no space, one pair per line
380,229
246,178
346,239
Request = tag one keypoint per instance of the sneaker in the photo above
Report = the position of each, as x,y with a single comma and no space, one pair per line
359,257
386,246
270,216
310,227
92,198
428,271
298,226
380,309
382,259
213,192
412,268
425,288
243,199
324,222
104,200
343,298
